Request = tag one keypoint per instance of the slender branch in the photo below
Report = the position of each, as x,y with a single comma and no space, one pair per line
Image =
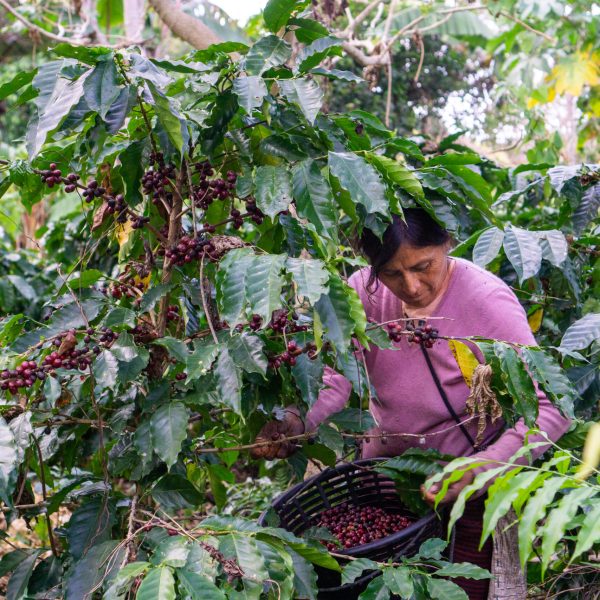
419,39
388,100
551,39
360,17
40,30
45,497
205,303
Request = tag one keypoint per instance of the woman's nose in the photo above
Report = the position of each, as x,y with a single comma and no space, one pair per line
412,285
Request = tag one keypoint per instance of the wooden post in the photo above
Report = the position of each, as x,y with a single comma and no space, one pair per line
510,582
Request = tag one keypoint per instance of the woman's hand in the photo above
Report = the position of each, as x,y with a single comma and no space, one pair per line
289,426
453,490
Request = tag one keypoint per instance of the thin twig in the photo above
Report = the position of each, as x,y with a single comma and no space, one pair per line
419,39
205,303
551,39
45,497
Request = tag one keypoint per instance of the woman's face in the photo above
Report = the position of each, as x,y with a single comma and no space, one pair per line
416,275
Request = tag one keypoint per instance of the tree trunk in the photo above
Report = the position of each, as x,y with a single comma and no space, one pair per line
509,581
134,15
184,26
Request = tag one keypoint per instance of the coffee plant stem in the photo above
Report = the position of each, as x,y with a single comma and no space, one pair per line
44,496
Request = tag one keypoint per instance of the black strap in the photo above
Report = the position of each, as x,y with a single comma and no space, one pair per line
446,401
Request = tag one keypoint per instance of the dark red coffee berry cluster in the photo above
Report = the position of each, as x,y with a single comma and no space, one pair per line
425,335
357,525
93,190
66,356
173,313
209,190
24,376
181,376
155,180
188,249
289,356
280,322
51,176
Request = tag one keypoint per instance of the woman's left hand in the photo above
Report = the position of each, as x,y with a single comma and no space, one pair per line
453,490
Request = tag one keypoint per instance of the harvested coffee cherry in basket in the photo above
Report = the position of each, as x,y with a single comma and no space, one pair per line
359,525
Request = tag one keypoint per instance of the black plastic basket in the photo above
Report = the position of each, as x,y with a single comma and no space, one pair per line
359,484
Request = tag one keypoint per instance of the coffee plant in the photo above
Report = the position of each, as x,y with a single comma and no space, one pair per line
195,285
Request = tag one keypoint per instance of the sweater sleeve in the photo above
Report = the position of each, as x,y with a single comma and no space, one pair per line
508,322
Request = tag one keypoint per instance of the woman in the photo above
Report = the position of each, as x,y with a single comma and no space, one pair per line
422,391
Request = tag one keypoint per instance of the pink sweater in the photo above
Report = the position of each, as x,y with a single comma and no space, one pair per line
478,303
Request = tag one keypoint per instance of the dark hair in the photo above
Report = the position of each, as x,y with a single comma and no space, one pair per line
417,229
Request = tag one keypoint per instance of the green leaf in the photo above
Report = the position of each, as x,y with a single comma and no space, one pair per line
534,511
85,54
132,359
488,244
305,578
132,170
518,382
399,581
124,579
201,360
264,283
174,492
17,583
558,520
523,251
251,91
21,79
277,13
268,52
468,570
500,498
158,584
398,174
101,88
440,589
53,103
308,375
88,573
376,590
587,209
168,428
554,246
229,381
361,181
310,56
589,534
198,587
582,333
337,74
432,548
335,312
454,158
153,295
177,349
173,551
314,200
273,189
310,277
245,552
352,419
170,119
355,568
119,109
10,561
8,461
304,92
231,284
106,369
247,353
29,183
90,524
547,371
